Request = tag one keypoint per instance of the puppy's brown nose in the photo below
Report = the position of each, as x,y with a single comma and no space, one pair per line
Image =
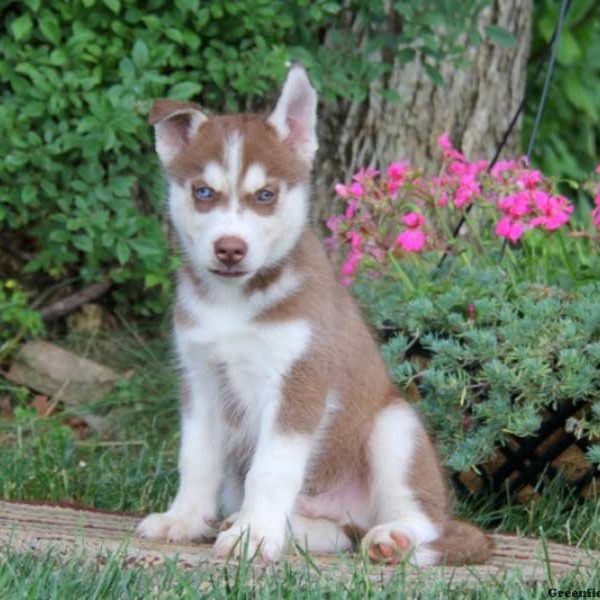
230,250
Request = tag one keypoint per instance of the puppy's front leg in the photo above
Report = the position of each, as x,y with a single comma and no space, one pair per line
194,509
272,485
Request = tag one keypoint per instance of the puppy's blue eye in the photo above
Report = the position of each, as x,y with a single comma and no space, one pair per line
265,196
203,193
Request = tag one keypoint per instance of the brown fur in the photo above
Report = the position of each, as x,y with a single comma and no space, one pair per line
462,543
261,145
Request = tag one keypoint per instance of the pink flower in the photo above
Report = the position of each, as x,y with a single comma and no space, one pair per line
529,179
355,240
556,221
444,142
351,265
397,170
413,220
597,169
333,222
467,189
443,199
503,165
511,230
458,168
392,187
350,209
367,173
356,189
412,240
471,311
449,152
341,190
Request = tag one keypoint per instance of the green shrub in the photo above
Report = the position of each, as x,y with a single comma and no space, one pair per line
500,353
80,188
16,319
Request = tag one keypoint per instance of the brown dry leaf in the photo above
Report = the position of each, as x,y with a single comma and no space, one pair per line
42,405
79,426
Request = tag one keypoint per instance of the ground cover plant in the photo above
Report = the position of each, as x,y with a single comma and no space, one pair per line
506,305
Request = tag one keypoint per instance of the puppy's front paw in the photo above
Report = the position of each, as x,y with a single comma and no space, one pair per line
176,527
242,537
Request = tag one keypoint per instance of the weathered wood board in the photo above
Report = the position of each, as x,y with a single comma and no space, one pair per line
95,535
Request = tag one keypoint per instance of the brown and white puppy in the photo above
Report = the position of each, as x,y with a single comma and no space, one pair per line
291,425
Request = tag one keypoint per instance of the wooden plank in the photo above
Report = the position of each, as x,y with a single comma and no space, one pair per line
79,532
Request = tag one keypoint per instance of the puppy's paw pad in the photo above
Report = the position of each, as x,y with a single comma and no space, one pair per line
386,543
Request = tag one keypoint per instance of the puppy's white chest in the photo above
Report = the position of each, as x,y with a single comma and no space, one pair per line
253,356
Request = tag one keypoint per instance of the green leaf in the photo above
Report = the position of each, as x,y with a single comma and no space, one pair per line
569,51
123,251
140,54
114,5
28,194
50,28
146,247
58,57
83,242
434,74
501,37
185,90
21,27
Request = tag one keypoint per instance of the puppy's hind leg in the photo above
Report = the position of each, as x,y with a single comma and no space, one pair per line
404,529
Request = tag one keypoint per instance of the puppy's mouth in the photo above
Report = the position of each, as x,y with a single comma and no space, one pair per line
228,273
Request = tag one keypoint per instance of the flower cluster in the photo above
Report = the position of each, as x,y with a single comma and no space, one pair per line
401,211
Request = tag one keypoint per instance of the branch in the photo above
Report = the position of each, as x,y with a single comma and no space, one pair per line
74,301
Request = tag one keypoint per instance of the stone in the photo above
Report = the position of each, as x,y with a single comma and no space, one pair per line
49,369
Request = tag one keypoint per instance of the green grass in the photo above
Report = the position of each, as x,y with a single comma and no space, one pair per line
131,467
29,575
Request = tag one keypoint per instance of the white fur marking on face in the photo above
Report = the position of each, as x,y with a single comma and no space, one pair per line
214,175
233,166
255,179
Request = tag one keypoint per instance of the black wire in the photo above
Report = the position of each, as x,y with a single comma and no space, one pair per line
564,7
549,51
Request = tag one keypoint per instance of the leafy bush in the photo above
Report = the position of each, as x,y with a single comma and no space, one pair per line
80,189
16,319
500,353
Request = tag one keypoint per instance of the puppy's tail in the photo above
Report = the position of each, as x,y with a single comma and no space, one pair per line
462,544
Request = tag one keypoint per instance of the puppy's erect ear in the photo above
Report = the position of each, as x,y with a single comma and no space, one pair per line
175,123
295,116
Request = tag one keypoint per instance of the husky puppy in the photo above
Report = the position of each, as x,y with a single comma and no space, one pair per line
291,426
